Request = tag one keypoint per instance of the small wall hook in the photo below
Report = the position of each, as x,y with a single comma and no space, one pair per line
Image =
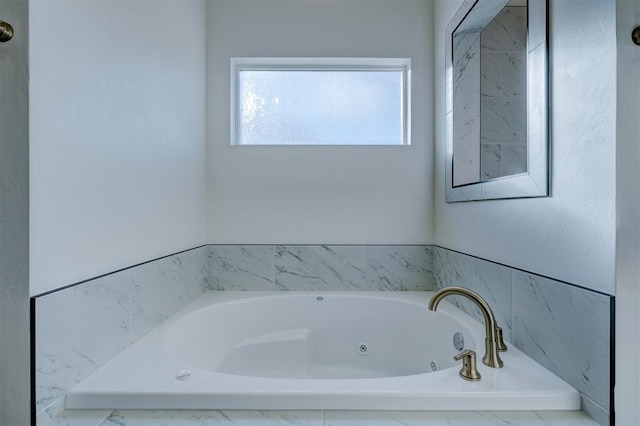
635,36
6,32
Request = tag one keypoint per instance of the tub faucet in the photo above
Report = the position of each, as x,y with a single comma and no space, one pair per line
493,342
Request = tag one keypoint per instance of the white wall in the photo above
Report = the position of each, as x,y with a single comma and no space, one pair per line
14,223
118,164
570,235
266,194
627,392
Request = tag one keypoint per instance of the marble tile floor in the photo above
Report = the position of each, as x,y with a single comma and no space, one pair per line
316,418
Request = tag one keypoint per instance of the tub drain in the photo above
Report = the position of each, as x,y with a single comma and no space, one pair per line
363,348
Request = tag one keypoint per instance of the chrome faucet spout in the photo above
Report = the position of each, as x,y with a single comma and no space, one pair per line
491,357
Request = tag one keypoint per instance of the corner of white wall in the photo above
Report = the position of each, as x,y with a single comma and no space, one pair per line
571,234
117,122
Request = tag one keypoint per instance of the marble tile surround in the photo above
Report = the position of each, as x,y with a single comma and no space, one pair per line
127,304
80,328
565,328
69,325
320,267
491,281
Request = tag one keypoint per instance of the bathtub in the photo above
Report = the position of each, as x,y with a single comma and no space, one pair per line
308,350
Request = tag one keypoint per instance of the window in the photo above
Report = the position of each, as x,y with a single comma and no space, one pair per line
319,101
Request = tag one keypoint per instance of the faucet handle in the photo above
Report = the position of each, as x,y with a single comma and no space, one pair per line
501,345
469,369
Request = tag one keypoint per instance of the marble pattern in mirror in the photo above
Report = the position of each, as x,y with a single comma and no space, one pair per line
496,101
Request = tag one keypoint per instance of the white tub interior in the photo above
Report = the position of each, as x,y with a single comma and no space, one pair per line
308,350
308,336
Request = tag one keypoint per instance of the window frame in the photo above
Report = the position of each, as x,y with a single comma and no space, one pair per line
320,64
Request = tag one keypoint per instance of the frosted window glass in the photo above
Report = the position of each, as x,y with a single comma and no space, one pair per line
320,107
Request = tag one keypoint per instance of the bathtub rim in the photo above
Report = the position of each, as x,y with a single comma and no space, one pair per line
401,393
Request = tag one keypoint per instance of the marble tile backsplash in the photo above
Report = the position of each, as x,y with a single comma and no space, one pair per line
162,287
80,328
320,267
237,267
407,268
565,328
490,280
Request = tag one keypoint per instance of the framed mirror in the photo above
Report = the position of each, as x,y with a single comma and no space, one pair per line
497,143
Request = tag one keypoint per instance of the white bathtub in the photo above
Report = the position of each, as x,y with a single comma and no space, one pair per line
307,350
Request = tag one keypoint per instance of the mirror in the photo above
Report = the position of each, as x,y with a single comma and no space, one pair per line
496,109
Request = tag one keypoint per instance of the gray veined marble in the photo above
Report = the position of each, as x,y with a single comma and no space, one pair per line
490,74
595,411
466,128
78,330
203,417
514,159
507,32
195,270
504,120
399,268
563,327
566,418
162,287
567,330
490,160
513,74
503,74
432,418
489,280
241,267
503,94
72,418
320,267
466,84
319,418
